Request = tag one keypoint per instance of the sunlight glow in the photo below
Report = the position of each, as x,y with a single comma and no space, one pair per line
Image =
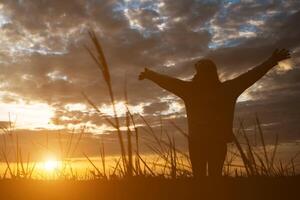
285,65
31,116
121,108
51,165
76,107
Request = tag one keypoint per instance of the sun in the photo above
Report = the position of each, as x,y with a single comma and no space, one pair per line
51,165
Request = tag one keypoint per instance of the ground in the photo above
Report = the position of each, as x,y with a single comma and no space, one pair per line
154,188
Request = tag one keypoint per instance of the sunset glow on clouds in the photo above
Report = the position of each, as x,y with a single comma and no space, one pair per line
24,115
45,67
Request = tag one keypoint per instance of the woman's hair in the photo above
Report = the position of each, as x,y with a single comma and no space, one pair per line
206,71
205,64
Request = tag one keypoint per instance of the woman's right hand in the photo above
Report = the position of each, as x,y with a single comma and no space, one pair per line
144,74
279,55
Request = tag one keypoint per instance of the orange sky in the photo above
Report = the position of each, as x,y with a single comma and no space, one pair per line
45,67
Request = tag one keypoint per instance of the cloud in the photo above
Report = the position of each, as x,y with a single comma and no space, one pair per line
156,108
43,59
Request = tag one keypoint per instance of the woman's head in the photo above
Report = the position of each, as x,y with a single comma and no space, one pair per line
206,71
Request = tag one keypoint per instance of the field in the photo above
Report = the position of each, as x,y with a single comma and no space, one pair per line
259,174
154,188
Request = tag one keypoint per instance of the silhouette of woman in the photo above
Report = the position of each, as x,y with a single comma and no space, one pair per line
210,107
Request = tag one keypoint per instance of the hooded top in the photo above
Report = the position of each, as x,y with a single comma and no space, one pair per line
210,107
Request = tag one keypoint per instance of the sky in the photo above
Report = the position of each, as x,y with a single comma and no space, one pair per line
45,66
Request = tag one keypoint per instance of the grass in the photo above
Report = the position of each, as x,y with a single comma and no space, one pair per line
258,161
166,175
169,162
175,163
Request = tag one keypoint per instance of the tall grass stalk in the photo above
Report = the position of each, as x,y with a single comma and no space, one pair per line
259,163
102,65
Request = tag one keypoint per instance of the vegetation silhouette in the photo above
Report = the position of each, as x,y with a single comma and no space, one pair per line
210,107
134,177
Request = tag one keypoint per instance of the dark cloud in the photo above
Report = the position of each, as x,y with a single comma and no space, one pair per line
43,56
156,108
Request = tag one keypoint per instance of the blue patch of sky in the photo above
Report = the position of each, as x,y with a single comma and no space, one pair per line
138,5
248,28
134,4
207,27
235,41
4,20
243,28
231,1
118,7
226,43
222,17
218,1
42,51
153,5
224,9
